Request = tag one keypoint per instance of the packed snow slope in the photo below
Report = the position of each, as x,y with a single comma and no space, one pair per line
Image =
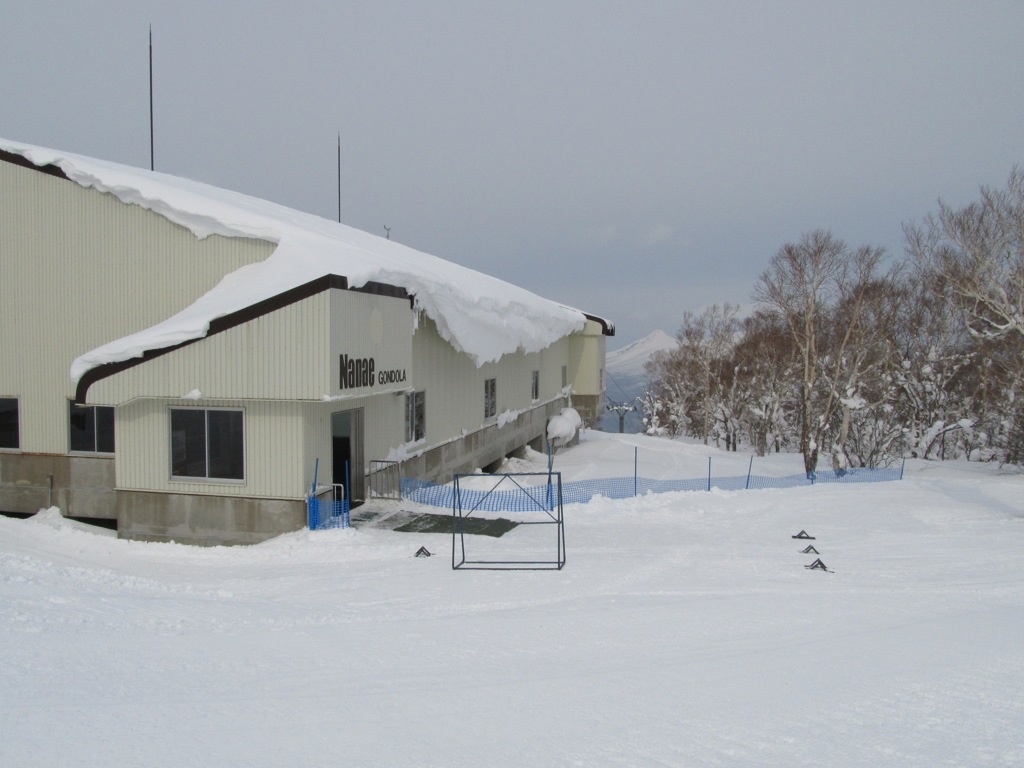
478,314
684,630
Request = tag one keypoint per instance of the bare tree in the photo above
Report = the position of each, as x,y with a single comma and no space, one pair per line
932,375
978,251
686,383
765,361
705,343
973,259
861,339
668,395
807,283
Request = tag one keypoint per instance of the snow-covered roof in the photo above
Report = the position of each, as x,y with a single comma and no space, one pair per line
477,314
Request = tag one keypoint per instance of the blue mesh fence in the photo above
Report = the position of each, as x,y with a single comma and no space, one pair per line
326,513
582,491
532,498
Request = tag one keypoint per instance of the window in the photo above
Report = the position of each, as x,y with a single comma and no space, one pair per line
9,437
415,416
535,386
565,376
490,397
207,444
92,428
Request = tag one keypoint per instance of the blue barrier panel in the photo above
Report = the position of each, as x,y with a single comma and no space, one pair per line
324,514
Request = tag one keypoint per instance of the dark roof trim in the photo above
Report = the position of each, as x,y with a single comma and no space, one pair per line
16,159
607,326
227,322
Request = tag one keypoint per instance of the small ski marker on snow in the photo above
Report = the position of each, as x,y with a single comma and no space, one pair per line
817,565
423,552
802,535
810,550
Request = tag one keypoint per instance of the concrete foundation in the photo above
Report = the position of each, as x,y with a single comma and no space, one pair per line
82,486
205,520
589,407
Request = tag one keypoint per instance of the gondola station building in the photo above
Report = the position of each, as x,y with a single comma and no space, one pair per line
180,358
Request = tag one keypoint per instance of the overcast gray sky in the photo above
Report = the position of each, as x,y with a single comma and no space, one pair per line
633,159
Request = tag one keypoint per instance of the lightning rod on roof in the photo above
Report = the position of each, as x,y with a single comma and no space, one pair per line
151,163
339,177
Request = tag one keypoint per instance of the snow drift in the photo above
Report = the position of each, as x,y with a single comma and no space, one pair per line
562,426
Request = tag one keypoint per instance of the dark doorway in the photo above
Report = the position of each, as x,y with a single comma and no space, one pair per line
347,453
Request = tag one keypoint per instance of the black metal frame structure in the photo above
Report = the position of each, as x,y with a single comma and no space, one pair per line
533,500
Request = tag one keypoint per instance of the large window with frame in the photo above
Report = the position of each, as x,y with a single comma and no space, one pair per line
91,428
490,397
10,437
207,444
415,416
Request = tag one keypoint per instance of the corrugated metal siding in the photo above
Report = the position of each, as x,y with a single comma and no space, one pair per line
275,449
454,385
316,443
383,419
291,353
283,355
587,360
383,425
283,440
367,326
80,268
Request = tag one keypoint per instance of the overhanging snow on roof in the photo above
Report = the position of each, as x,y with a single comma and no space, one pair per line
477,314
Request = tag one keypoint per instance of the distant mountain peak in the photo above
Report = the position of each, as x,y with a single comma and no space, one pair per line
632,357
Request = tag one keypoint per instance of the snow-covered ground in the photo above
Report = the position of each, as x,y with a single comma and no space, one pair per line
683,631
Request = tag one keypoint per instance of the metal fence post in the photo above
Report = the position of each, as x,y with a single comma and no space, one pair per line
636,452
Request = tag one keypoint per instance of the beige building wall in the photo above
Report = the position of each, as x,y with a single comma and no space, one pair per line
283,355
274,448
282,370
81,268
454,385
282,441
587,370
383,428
371,327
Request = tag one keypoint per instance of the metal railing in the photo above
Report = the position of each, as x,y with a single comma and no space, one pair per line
384,480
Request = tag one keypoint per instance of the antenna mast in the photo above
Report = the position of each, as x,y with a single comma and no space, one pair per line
151,162
339,177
